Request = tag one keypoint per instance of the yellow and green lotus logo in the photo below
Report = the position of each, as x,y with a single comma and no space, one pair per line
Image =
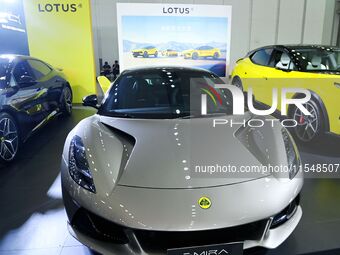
204,202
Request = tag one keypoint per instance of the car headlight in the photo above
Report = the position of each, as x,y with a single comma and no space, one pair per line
293,156
79,166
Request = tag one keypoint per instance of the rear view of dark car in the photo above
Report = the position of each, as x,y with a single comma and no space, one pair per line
31,93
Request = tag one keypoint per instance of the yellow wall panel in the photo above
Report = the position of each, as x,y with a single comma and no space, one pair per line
60,33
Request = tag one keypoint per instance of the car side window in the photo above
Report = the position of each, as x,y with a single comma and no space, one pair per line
262,57
281,60
20,70
39,68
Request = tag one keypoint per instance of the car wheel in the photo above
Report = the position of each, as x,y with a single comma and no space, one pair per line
66,104
237,82
216,55
309,127
194,55
145,54
156,54
9,138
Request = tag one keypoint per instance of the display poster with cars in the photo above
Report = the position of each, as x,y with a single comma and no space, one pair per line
58,33
174,35
13,36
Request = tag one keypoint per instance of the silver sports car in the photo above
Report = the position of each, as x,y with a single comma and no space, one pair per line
150,174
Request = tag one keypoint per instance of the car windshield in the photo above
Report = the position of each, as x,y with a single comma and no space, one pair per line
317,59
166,94
4,71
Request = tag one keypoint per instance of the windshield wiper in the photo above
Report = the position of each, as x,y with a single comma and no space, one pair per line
121,115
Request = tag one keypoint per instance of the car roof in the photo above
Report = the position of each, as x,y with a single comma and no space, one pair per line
290,47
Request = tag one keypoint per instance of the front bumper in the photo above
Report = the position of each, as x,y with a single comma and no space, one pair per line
153,242
105,231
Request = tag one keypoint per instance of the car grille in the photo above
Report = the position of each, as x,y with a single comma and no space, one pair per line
98,228
160,241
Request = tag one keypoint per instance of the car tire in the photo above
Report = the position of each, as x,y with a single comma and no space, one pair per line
66,101
10,141
237,82
156,54
216,55
145,54
194,55
309,128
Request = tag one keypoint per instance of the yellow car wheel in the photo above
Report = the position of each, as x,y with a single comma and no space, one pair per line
145,54
156,54
194,55
309,127
216,55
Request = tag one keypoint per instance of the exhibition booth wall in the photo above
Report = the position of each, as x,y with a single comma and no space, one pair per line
60,34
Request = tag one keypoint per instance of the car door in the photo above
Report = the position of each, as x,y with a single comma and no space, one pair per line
283,73
206,51
257,75
200,51
210,52
48,82
30,98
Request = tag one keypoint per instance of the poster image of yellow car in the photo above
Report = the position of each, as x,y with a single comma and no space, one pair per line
145,52
170,53
202,52
188,41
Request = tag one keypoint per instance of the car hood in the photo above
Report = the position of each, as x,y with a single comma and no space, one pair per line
165,153
135,50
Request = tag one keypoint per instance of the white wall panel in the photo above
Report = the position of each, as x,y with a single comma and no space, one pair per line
315,13
240,29
290,21
264,22
208,2
328,26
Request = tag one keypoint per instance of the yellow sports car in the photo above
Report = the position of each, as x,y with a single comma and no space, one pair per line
145,52
202,51
311,67
170,53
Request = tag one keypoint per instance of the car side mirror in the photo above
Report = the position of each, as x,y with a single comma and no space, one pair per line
26,80
91,101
